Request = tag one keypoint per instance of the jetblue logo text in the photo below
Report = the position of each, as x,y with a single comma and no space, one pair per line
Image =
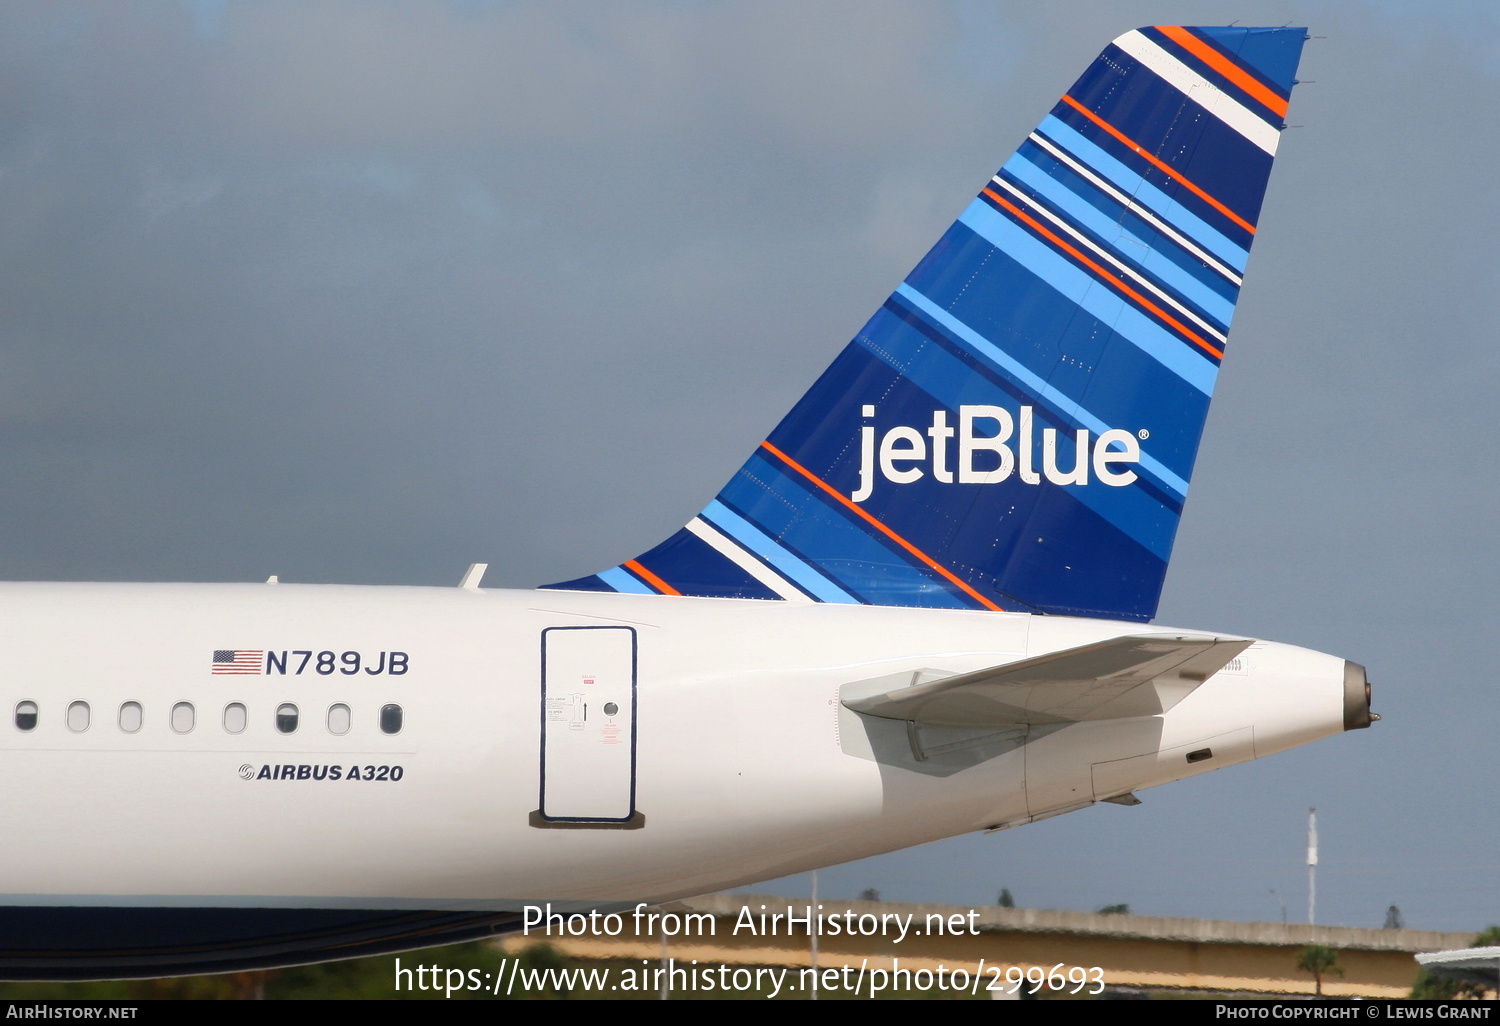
978,450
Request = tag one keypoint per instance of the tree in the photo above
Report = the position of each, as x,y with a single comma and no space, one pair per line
869,894
1121,909
1489,937
1006,901
1433,988
1320,960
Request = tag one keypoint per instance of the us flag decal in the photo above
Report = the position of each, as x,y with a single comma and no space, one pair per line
237,660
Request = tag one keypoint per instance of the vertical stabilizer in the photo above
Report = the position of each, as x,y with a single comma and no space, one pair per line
1016,426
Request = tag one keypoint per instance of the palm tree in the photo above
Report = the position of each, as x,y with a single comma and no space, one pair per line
1321,961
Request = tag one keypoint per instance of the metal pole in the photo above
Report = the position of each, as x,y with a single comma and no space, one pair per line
1312,864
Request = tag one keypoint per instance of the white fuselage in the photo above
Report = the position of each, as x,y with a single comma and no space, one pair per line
745,764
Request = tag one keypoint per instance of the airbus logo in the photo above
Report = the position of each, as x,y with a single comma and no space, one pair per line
980,452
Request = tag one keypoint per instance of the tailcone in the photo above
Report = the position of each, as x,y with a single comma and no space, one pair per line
1357,714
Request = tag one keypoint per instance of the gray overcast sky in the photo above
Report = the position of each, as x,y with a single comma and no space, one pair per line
364,292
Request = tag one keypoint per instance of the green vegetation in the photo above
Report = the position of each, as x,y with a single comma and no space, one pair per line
1321,961
1434,988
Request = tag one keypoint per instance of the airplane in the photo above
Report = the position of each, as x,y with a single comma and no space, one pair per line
922,607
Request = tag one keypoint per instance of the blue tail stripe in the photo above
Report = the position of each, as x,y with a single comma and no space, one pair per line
1124,577
1082,288
1035,385
1192,61
782,507
1133,511
1173,424
694,567
1130,220
624,581
785,507
1212,155
1037,330
1210,74
786,543
1171,312
968,523
1149,196
764,547
593,582
1269,54
1134,217
1057,187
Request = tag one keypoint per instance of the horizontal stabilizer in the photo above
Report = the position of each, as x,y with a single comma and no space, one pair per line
1136,675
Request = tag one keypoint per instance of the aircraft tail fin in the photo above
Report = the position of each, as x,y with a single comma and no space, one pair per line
1016,426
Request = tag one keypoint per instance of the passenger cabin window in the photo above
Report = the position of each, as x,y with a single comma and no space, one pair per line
390,719
78,717
25,715
131,717
338,719
286,718
183,717
234,717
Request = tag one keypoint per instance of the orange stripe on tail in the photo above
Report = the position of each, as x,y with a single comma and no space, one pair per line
1230,70
1191,335
646,575
1164,169
892,535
